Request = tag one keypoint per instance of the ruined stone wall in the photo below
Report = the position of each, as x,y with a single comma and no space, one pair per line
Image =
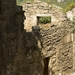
57,43
40,9
54,44
23,53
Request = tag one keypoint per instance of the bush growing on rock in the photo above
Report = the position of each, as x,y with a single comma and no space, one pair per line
44,20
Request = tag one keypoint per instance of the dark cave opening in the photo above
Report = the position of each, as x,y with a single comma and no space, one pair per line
46,62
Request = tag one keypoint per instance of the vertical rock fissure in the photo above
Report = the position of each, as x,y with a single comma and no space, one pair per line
46,62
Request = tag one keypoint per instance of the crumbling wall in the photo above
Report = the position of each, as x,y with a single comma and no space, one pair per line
22,53
40,9
57,43
51,49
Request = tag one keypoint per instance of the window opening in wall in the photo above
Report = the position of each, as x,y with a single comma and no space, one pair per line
44,21
46,62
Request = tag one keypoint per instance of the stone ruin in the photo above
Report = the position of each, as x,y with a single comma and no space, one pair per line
57,48
56,45
40,9
37,51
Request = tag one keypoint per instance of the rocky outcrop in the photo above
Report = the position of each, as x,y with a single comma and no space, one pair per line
11,28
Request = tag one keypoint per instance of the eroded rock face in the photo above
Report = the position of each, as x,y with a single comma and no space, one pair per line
9,40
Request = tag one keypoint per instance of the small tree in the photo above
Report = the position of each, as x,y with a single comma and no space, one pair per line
44,20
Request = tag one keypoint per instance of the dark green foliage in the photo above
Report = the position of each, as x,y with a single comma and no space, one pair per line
69,7
44,20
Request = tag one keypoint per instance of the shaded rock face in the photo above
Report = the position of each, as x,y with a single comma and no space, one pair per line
10,27
32,51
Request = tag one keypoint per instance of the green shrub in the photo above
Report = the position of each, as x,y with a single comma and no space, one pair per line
69,7
44,20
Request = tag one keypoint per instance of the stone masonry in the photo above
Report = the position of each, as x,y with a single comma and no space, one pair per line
35,51
40,9
57,44
50,50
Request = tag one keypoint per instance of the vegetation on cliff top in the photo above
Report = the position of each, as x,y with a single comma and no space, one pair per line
62,4
69,7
